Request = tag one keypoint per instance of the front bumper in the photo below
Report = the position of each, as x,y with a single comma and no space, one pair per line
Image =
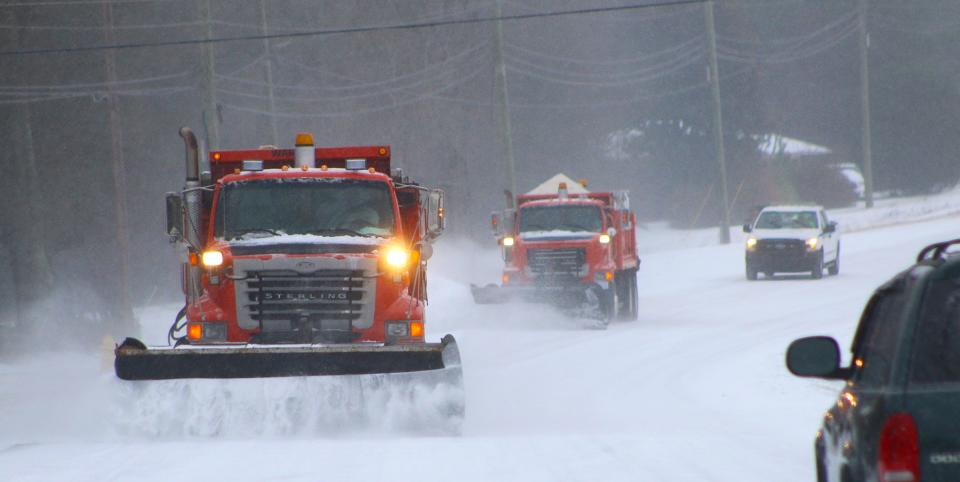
787,261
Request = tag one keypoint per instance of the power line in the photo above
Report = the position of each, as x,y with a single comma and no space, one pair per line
60,3
378,28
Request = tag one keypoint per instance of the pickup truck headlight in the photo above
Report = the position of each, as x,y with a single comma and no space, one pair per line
813,243
751,243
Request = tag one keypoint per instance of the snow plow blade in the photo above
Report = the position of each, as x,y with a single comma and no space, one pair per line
490,294
135,361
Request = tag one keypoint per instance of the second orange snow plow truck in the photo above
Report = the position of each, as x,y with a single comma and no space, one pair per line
299,262
566,245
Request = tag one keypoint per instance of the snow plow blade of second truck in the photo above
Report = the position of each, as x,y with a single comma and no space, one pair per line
135,361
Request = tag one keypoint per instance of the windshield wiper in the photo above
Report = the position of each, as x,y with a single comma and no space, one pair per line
241,232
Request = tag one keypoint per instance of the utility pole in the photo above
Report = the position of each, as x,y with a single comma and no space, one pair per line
865,105
504,101
269,64
718,124
211,113
122,315
31,272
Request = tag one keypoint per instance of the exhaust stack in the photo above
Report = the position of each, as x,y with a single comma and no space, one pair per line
192,204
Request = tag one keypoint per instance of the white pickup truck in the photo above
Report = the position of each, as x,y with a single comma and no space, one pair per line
792,239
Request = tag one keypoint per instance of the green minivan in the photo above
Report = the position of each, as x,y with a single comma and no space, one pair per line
897,419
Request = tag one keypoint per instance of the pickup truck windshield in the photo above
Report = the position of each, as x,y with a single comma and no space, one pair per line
327,207
560,218
787,220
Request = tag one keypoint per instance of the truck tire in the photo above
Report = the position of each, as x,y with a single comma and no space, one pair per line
817,271
608,304
627,286
834,268
751,273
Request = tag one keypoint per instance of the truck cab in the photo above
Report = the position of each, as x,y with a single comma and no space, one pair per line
792,239
332,250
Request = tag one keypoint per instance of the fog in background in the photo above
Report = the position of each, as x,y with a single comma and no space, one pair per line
621,98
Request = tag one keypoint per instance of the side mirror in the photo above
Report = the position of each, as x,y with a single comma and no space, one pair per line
435,214
747,228
174,217
815,356
426,251
495,223
611,232
830,227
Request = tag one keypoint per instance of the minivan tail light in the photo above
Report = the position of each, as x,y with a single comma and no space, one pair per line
898,457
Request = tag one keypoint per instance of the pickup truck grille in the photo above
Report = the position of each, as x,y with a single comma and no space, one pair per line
566,262
324,294
782,246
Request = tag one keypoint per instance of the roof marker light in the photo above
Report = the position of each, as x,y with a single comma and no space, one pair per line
304,153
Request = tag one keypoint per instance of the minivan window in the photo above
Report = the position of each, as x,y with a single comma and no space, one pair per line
938,333
876,345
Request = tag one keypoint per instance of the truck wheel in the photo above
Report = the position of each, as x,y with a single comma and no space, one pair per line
751,273
834,268
817,271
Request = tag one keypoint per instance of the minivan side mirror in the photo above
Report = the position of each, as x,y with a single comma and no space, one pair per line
747,228
174,216
815,356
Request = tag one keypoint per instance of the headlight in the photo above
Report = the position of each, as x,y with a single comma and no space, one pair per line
508,241
212,259
397,257
812,243
751,243
604,239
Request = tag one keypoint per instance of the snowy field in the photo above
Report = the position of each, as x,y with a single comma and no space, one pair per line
695,390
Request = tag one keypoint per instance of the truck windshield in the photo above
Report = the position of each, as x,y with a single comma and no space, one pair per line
327,207
560,218
787,220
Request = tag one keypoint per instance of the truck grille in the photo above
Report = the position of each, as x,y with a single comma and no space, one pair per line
782,246
324,294
567,262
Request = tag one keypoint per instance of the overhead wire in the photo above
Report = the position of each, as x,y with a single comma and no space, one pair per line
377,83
614,62
369,110
662,72
640,74
364,29
344,98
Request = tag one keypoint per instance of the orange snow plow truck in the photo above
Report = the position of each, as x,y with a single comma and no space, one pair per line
568,246
299,262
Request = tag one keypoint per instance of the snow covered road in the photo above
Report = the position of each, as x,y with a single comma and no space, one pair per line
694,390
